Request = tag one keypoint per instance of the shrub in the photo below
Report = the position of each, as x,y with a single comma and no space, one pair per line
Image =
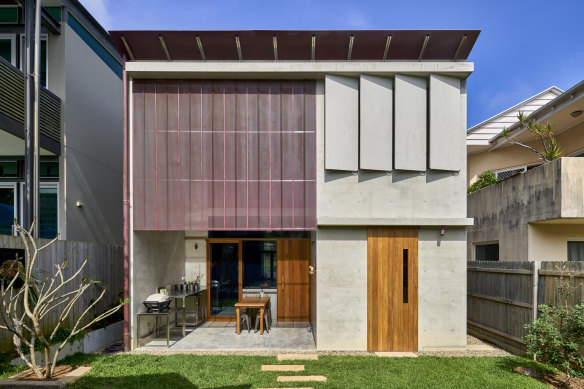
485,179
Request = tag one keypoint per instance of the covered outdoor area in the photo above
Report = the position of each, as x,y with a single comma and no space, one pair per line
221,336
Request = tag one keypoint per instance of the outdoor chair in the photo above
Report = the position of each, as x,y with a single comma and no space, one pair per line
244,317
267,318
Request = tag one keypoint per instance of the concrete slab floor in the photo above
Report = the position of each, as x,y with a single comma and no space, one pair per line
221,336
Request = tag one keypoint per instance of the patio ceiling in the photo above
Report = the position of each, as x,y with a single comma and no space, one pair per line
301,45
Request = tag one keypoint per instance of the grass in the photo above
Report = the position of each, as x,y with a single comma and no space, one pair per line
243,372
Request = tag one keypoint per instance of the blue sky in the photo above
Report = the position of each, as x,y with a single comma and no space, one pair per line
524,47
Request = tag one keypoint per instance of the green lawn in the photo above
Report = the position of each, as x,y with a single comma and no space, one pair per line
243,372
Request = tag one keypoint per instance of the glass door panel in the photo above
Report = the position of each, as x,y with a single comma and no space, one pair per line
224,278
7,214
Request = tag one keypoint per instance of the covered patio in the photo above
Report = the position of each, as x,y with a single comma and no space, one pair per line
221,336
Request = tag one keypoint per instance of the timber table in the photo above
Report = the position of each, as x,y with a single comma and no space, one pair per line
260,303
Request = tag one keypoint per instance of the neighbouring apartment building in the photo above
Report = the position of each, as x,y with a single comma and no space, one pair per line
252,155
536,212
80,124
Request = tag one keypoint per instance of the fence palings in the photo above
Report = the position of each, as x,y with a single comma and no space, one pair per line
500,297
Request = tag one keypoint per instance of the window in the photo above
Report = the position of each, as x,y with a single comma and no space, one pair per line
7,208
487,252
8,48
44,58
48,223
259,263
576,250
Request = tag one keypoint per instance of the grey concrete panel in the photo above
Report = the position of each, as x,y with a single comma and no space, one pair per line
447,134
503,211
158,259
92,145
342,123
410,123
376,123
402,195
441,289
342,288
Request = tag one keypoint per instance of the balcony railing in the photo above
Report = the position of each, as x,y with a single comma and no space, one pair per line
12,102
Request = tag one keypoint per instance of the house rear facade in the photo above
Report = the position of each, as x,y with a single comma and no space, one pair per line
324,168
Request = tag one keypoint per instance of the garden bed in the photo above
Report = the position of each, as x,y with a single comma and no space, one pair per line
90,343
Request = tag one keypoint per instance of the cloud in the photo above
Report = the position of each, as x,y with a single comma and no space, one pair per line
99,10
355,18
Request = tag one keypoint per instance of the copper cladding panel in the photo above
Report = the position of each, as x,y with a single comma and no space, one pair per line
224,155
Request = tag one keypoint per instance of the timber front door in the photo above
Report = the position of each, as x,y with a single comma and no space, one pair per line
392,295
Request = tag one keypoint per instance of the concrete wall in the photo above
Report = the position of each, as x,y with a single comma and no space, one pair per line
313,287
196,258
571,141
370,196
549,242
158,258
502,211
341,277
92,145
441,289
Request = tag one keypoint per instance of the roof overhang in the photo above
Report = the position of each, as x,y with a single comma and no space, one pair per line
296,45
557,112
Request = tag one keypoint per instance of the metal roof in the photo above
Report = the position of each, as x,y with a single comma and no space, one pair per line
302,45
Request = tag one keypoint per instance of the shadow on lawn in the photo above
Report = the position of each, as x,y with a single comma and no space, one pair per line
166,380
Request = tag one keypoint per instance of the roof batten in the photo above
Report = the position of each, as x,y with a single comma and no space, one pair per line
164,47
127,48
426,39
351,39
275,43
387,43
459,47
200,47
238,44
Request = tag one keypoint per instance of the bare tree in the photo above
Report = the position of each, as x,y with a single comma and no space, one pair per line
24,308
551,149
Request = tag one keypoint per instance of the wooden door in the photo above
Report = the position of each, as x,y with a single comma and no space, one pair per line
392,295
293,280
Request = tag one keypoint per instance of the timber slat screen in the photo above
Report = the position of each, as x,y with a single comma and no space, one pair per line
104,264
224,155
12,102
500,297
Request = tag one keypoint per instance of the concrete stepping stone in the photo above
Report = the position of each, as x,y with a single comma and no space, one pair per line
297,357
301,378
282,367
480,347
396,354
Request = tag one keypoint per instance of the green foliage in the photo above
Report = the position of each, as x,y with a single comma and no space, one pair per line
485,179
550,148
557,337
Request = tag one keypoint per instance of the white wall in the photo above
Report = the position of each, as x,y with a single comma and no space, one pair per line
549,242
92,145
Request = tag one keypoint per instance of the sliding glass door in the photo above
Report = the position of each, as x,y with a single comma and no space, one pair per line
224,282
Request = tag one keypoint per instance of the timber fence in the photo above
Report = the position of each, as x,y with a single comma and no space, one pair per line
502,297
104,264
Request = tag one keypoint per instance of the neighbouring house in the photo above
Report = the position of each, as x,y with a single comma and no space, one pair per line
324,168
536,212
81,121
